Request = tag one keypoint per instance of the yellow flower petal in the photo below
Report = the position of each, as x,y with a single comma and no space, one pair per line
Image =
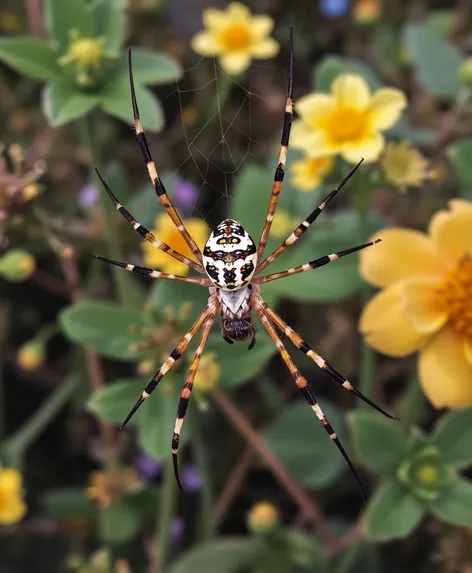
238,11
419,304
234,63
369,147
14,510
205,44
214,19
403,254
460,205
350,90
385,327
385,108
10,479
266,48
445,374
451,233
468,349
314,108
261,25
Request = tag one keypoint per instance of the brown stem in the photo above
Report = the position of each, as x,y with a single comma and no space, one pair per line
241,423
34,13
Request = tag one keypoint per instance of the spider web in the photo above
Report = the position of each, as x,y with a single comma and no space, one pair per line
212,150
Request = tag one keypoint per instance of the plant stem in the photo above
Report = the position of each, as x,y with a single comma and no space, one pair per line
164,516
413,404
207,528
14,447
348,559
124,287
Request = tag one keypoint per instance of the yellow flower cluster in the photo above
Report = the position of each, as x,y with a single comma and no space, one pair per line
12,505
426,302
236,37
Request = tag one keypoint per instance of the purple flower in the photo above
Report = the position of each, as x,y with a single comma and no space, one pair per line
191,481
148,468
88,196
177,530
334,8
185,194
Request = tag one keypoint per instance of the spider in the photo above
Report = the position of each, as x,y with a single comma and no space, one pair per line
232,264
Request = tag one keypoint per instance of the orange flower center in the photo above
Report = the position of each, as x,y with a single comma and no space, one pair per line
455,296
236,37
345,124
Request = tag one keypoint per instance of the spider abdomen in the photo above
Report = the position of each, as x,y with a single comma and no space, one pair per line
238,329
230,256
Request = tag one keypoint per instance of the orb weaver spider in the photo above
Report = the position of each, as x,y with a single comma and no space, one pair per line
232,264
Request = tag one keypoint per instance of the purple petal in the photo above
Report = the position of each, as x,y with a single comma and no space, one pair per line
88,196
148,468
191,481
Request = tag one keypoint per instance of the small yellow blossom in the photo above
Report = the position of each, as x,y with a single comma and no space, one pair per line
263,517
348,121
236,36
107,486
12,505
208,373
31,355
167,232
404,166
309,172
87,55
367,11
17,265
283,224
426,302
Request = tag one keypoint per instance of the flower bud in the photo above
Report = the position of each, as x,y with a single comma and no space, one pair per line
263,518
208,373
31,355
465,72
17,265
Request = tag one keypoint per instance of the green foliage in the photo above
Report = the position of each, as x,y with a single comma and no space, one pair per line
31,57
303,445
455,506
62,103
436,61
119,522
108,328
66,503
332,66
459,153
453,436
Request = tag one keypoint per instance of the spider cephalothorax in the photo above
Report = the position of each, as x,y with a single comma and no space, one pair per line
230,256
233,264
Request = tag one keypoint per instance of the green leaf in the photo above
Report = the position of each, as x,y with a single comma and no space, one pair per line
455,505
225,556
30,56
392,513
459,153
115,400
107,327
237,363
332,66
380,442
116,100
151,67
65,503
303,445
436,61
172,295
62,103
453,436
119,522
109,19
61,17
156,418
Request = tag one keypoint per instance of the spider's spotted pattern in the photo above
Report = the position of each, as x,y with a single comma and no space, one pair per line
232,264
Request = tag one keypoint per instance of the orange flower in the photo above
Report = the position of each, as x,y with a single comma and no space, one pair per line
426,302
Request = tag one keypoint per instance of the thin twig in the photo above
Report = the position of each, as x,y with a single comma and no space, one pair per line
242,424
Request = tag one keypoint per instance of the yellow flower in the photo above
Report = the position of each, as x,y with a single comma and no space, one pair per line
17,265
308,173
426,302
348,120
12,506
283,224
367,11
236,37
31,355
404,166
167,232
263,517
208,373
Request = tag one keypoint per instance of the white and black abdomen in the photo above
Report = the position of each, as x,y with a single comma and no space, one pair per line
230,256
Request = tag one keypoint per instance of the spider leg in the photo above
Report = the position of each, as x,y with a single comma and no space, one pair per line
324,260
303,227
302,385
280,170
147,235
186,392
174,356
151,167
319,361
151,273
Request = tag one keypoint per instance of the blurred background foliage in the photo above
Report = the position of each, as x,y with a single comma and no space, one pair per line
265,490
